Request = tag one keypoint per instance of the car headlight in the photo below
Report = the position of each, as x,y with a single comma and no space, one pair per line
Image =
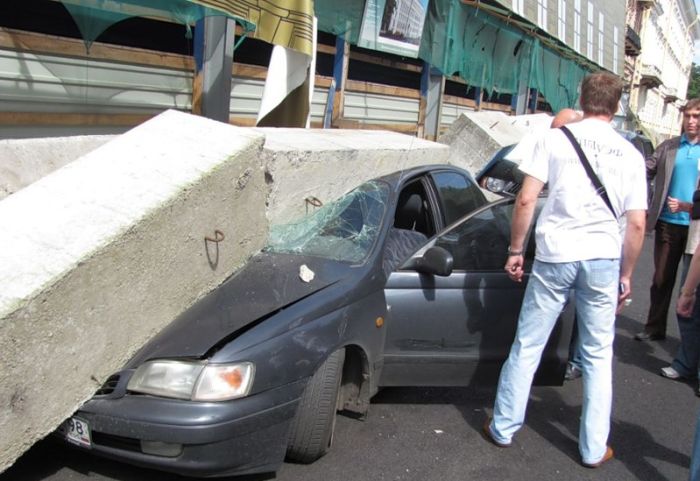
495,185
197,381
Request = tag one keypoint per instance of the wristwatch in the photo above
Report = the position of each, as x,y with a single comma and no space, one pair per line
511,252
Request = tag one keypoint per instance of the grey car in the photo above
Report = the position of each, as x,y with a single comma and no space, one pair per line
398,283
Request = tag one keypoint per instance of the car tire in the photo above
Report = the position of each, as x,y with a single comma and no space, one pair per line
311,433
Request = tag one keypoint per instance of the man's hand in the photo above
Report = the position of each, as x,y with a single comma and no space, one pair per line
685,304
675,205
514,268
624,295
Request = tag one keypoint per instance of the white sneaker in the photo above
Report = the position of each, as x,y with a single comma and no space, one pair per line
670,373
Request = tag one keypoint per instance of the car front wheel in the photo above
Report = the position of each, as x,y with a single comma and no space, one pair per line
312,429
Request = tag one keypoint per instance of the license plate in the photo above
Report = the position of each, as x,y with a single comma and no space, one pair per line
77,431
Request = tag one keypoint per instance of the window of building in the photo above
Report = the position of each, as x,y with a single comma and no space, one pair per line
589,31
601,39
561,24
577,25
542,14
519,6
616,48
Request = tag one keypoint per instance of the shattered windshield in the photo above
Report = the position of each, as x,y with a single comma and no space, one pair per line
343,230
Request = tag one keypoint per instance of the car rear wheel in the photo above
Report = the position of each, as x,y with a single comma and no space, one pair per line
312,429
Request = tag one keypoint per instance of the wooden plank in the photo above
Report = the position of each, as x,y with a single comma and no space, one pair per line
494,106
73,119
355,124
249,71
385,62
51,44
461,101
328,49
379,89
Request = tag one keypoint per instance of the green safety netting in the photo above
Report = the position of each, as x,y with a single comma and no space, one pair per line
281,22
94,16
491,51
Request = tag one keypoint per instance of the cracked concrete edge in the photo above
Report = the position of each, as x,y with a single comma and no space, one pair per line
324,164
86,319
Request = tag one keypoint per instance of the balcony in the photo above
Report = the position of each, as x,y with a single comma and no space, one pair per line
670,95
633,44
651,76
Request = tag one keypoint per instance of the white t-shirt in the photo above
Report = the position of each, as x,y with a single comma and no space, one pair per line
575,224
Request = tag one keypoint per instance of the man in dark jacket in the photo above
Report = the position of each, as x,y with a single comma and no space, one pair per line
674,166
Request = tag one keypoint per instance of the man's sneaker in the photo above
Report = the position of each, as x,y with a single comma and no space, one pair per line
669,373
572,372
646,336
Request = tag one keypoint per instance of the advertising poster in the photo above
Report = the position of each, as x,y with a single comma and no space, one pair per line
393,26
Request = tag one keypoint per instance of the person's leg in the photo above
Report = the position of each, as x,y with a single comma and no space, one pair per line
596,301
686,361
573,367
669,245
545,296
695,455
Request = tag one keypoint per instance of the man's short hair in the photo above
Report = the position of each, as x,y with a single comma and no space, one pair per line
691,104
600,93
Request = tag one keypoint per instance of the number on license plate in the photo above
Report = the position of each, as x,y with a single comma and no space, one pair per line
77,431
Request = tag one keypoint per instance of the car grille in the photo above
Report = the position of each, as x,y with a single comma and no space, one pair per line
109,386
116,442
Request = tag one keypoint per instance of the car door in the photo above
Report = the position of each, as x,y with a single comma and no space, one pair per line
457,330
456,194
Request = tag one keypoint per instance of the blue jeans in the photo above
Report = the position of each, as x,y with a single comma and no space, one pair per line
595,285
686,361
695,455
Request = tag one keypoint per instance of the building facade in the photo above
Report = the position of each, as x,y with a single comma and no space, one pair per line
594,29
658,77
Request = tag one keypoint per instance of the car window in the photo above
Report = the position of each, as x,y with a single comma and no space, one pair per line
344,230
458,195
480,243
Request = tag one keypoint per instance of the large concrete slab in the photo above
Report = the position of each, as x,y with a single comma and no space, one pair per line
323,164
25,161
475,136
99,255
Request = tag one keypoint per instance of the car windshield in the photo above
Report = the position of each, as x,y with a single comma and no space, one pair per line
343,230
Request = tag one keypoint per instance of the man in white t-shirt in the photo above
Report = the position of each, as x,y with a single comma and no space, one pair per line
578,249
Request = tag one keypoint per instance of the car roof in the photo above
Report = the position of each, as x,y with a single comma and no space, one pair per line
395,179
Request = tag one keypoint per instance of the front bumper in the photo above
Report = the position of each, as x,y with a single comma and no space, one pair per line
241,436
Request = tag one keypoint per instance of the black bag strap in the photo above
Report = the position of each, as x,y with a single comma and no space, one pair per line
599,187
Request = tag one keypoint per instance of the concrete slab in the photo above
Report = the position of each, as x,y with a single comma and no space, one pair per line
99,255
28,160
324,164
475,136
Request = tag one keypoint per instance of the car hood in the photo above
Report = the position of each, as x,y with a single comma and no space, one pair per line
267,283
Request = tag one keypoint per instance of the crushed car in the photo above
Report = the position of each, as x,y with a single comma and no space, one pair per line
400,282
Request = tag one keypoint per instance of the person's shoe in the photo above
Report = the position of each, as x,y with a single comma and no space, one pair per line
646,336
488,435
572,372
697,391
606,457
670,373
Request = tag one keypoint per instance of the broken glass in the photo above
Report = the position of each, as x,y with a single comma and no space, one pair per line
343,230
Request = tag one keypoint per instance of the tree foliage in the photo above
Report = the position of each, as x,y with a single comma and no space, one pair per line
694,82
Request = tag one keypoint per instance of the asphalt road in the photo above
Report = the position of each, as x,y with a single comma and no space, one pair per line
433,434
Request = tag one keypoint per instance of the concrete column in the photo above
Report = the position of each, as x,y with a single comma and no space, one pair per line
533,100
213,52
478,95
521,99
432,86
340,75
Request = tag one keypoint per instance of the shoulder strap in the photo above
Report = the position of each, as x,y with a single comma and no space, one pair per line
599,187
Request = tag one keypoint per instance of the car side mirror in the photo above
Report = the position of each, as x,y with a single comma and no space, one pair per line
435,261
